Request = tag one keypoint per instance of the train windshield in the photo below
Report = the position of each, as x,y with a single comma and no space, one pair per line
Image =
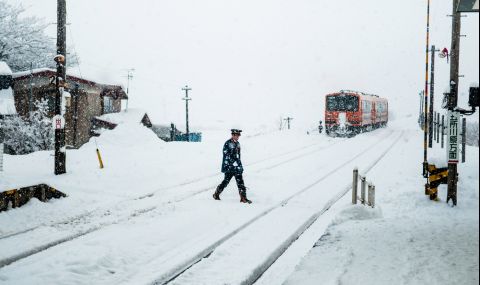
342,103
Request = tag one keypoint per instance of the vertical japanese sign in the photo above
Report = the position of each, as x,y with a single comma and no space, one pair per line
453,137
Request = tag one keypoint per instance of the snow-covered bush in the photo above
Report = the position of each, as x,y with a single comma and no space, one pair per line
26,135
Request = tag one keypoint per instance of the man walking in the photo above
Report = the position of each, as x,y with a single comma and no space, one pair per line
232,167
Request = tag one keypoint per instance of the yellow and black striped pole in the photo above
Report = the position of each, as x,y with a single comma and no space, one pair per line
425,126
100,160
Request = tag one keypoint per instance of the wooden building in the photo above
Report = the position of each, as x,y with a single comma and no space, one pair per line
84,100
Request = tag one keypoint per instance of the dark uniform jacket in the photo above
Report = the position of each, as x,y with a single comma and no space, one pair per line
231,158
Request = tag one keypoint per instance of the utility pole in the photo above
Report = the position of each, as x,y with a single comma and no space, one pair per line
452,104
288,119
425,128
60,84
432,97
129,77
186,89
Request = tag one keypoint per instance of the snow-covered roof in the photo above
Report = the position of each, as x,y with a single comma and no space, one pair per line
5,69
131,116
28,72
70,73
7,103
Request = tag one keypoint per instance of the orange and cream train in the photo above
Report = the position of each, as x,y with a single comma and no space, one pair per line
348,113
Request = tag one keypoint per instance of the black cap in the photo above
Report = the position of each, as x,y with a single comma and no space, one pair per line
236,132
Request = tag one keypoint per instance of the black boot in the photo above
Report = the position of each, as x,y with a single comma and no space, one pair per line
243,199
216,195
243,195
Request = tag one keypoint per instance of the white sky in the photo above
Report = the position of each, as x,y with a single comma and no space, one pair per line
256,60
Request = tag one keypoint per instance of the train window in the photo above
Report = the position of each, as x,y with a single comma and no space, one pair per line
342,103
366,107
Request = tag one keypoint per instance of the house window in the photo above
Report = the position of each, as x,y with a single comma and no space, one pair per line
108,105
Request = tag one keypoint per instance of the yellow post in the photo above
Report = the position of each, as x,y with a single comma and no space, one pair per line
99,159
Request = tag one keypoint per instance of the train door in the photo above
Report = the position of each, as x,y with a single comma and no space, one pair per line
374,118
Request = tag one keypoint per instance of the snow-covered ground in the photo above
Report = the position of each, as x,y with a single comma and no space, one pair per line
407,239
150,211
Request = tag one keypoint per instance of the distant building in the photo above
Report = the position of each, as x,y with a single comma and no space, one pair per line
84,100
111,121
166,133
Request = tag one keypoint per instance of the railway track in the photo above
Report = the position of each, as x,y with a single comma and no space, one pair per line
98,219
175,274
151,194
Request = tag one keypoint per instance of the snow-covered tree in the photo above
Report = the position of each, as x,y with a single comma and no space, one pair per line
23,41
26,135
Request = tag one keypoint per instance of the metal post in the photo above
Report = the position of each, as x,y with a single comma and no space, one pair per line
420,111
464,139
30,98
1,156
129,77
288,119
369,199
432,97
425,129
60,155
371,195
453,98
75,98
186,89
355,186
422,115
438,127
172,132
364,186
443,131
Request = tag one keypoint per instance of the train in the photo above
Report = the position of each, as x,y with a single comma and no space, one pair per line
348,113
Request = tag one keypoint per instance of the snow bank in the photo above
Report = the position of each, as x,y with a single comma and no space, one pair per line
411,240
